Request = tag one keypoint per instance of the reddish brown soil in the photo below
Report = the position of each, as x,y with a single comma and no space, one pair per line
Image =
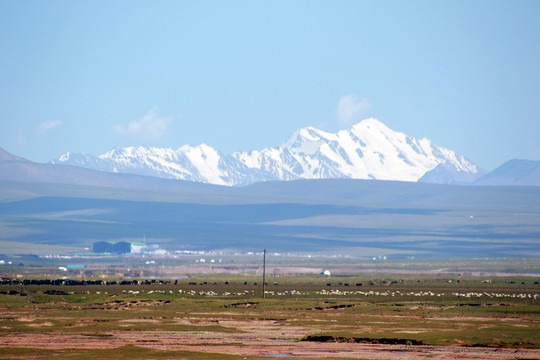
257,338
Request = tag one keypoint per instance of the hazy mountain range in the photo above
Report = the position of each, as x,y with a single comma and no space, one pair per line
330,216
68,206
369,150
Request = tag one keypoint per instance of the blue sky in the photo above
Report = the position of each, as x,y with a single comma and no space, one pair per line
86,76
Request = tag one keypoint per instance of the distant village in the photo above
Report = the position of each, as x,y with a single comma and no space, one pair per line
127,247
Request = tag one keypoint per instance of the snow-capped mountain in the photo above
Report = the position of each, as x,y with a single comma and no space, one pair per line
200,163
369,150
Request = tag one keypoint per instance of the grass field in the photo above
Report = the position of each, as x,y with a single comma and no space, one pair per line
225,317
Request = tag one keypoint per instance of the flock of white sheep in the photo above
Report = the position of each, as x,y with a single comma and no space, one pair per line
337,292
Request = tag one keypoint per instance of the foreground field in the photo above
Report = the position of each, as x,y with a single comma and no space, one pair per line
308,317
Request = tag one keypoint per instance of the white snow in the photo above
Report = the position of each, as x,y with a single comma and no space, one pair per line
368,150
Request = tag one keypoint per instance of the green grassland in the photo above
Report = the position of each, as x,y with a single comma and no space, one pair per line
464,311
122,352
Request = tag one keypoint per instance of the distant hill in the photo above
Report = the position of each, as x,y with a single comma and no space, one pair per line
6,156
513,172
447,173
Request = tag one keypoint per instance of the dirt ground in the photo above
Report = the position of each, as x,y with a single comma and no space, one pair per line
192,319
257,338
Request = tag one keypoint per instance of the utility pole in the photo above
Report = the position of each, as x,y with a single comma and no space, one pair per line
264,273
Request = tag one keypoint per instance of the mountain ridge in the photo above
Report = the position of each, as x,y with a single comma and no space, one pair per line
368,150
515,172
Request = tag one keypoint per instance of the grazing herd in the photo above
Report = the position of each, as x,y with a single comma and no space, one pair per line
218,291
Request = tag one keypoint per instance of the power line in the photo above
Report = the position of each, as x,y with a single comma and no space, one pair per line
264,274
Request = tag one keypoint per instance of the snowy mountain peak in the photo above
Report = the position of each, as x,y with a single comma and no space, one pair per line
372,126
368,150
64,157
369,123
305,141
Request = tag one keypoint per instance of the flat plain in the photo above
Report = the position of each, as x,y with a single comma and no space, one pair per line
223,316
455,275
354,217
